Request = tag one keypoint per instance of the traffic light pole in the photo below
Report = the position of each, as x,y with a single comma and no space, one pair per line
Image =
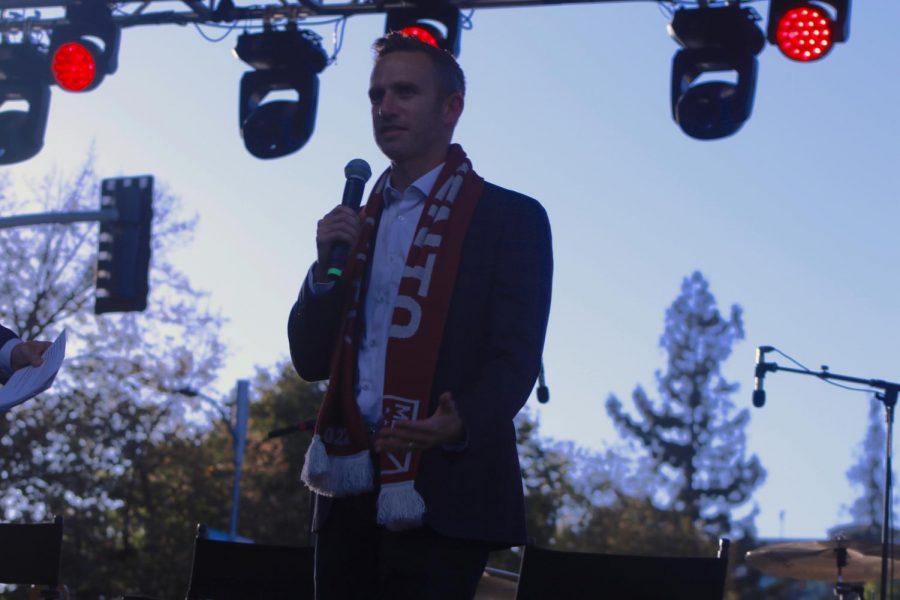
50,218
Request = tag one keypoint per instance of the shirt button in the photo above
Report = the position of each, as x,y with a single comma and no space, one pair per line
366,386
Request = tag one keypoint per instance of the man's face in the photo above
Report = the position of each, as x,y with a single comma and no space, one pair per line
411,116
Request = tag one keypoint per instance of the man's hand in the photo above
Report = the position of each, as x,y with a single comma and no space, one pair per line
342,224
445,426
27,354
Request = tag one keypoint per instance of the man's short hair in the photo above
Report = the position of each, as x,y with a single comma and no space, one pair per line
450,74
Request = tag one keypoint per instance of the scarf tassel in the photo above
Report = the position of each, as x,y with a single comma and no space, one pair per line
336,475
400,506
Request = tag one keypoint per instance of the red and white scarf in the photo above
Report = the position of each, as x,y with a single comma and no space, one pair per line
338,462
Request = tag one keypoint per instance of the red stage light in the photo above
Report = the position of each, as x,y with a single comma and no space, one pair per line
805,33
74,67
421,34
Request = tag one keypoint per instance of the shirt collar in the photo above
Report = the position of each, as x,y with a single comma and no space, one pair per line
423,184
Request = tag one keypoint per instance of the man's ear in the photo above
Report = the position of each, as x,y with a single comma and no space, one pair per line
453,107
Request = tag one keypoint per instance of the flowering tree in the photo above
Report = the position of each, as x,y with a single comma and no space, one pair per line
87,448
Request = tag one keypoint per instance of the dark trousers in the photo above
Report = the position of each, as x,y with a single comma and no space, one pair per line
358,560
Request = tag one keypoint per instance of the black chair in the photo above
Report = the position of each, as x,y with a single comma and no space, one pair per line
579,575
30,555
238,571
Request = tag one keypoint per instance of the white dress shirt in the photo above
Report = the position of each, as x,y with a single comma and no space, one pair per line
394,237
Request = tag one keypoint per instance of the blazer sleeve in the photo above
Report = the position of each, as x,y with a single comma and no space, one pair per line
6,335
521,282
312,330
5,369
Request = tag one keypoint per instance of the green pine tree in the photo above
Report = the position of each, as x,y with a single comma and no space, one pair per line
693,436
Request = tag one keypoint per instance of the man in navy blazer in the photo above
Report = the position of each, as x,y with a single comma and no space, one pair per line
15,354
488,358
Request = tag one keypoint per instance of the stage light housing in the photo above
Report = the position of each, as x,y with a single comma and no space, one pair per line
714,40
438,25
712,109
804,34
21,79
284,60
74,66
424,33
805,30
85,50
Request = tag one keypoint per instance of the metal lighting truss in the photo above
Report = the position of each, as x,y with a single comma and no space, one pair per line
15,17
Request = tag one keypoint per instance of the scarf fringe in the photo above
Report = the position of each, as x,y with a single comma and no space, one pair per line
400,506
337,476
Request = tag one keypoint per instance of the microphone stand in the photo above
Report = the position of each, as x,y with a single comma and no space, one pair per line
888,397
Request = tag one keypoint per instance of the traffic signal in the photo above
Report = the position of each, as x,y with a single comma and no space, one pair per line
436,24
714,39
806,30
22,131
86,49
288,59
123,260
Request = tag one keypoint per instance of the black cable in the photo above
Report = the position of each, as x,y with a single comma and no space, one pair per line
811,372
339,26
228,31
466,23
261,26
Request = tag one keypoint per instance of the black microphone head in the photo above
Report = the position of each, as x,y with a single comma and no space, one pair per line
358,169
543,394
759,398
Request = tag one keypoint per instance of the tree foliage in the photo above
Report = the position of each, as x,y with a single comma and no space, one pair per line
133,465
867,474
694,439
275,504
87,448
551,484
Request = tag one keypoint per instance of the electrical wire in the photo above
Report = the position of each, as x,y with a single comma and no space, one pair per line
466,21
819,373
208,38
337,38
673,4
249,26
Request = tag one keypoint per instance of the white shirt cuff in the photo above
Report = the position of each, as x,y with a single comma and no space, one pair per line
317,288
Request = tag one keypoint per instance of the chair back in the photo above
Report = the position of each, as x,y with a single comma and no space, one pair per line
30,554
238,571
582,576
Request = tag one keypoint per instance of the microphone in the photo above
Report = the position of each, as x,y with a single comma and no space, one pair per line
357,173
543,392
307,425
759,394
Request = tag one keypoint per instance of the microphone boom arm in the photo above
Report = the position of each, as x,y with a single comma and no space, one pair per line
825,374
888,397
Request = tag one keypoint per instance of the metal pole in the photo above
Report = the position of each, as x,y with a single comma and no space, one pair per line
890,400
889,396
239,437
107,214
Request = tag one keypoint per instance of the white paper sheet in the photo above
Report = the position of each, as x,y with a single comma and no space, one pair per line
28,382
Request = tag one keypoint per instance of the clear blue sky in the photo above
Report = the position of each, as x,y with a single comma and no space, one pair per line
793,218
